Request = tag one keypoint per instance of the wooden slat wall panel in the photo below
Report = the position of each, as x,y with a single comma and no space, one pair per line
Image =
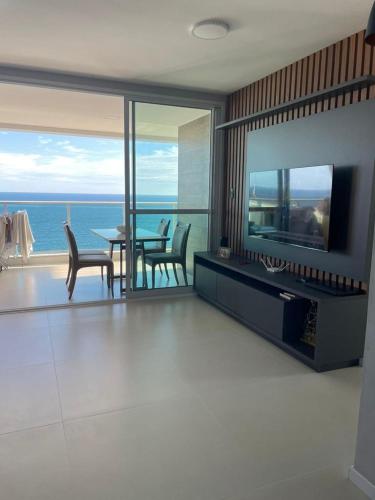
347,59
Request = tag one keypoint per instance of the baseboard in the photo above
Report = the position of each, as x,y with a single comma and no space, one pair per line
362,483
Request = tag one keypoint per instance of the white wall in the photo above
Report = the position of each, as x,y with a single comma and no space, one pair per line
365,452
194,180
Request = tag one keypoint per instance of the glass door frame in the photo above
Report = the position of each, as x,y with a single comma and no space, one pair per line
154,94
215,186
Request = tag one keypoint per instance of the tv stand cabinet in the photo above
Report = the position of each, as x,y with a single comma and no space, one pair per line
250,294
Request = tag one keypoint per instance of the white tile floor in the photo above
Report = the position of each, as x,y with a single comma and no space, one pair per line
166,399
39,286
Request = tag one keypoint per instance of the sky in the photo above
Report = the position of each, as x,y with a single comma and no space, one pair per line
305,179
54,163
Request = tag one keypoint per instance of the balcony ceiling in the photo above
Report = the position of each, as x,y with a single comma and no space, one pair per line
47,110
149,41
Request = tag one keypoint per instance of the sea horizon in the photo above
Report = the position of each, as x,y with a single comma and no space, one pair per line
42,196
47,220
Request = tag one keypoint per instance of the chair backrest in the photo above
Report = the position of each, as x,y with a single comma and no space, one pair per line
72,244
180,239
163,229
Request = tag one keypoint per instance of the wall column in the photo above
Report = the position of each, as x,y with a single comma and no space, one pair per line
363,471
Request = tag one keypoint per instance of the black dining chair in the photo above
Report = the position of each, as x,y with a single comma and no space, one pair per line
79,261
176,256
159,246
81,253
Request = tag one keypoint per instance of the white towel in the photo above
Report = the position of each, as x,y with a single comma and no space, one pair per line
6,245
3,223
2,233
22,235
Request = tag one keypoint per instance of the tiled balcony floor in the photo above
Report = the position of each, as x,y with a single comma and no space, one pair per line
38,286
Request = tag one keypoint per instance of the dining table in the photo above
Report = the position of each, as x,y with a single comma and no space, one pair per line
142,236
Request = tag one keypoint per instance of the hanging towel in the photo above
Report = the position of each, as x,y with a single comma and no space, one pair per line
22,235
3,233
6,227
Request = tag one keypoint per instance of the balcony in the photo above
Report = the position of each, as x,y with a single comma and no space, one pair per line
59,141
41,281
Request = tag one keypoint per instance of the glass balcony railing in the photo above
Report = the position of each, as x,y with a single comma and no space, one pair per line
46,219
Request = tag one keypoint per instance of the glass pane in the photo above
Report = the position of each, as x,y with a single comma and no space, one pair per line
150,248
172,156
45,221
61,159
97,215
63,153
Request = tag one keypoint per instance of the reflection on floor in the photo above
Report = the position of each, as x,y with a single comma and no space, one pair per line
36,286
166,400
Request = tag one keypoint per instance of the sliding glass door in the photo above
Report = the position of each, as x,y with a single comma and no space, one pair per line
168,198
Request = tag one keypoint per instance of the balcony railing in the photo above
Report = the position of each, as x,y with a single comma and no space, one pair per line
274,202
46,218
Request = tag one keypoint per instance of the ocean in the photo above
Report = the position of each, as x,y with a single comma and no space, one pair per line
47,220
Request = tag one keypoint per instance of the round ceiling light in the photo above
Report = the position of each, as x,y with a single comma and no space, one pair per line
210,30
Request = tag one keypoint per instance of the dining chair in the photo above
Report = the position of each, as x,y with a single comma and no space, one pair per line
79,261
82,253
159,246
176,256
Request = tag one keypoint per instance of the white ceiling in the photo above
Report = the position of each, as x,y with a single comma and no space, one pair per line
149,40
41,109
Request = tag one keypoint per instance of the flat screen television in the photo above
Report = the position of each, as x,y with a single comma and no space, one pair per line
291,205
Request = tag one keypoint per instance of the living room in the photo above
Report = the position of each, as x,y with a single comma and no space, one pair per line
252,378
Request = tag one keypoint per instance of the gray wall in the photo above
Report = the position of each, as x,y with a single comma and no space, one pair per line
365,453
344,137
194,180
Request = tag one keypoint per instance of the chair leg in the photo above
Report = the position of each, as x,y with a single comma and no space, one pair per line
175,273
166,270
110,280
101,269
153,276
185,275
69,271
161,270
144,272
108,276
111,250
121,274
72,282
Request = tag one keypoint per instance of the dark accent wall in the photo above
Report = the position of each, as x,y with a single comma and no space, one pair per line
340,62
345,138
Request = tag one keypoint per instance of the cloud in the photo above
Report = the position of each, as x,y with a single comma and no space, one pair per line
73,169
38,170
44,140
74,149
64,145
68,147
17,162
161,165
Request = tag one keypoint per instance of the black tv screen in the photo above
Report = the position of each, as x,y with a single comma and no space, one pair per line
291,205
